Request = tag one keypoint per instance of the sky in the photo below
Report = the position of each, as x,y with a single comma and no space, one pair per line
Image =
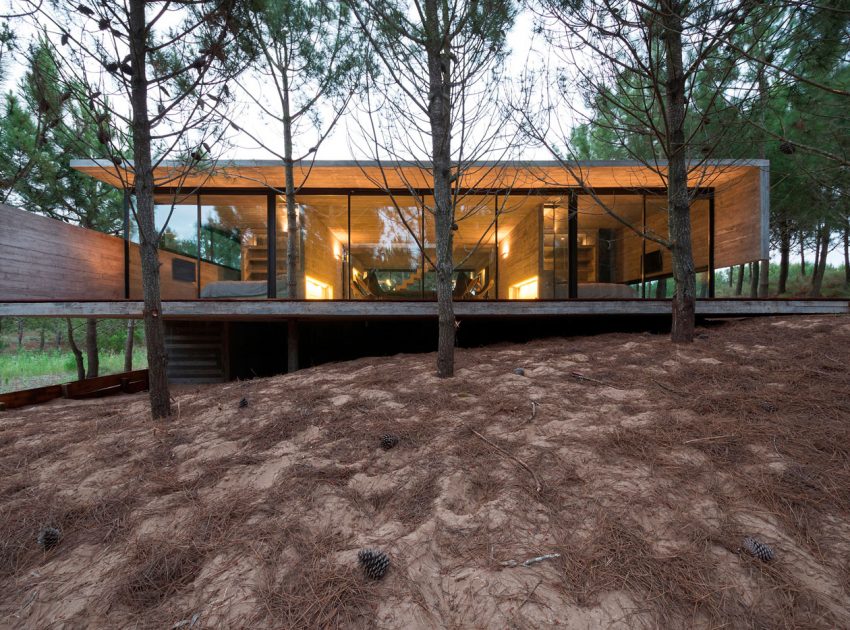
524,51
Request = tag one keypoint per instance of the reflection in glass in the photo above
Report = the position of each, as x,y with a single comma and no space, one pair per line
473,249
233,246
385,258
176,219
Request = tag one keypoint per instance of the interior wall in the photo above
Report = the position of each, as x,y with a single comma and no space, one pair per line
524,253
320,259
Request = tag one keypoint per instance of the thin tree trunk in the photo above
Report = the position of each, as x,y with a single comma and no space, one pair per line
439,115
847,254
78,355
802,255
764,277
739,286
678,199
784,257
661,289
817,252
754,280
820,264
148,236
20,333
58,338
92,356
128,345
293,283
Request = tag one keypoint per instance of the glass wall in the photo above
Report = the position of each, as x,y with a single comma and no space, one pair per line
322,245
376,247
533,240
176,219
386,258
615,262
233,246
473,249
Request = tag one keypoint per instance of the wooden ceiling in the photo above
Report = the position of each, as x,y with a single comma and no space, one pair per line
346,176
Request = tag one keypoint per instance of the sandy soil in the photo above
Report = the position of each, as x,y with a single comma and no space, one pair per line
653,462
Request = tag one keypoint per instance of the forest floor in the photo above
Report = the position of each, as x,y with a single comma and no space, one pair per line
642,464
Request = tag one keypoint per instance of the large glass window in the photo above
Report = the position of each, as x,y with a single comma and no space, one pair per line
615,262
532,247
323,245
386,260
473,249
176,220
375,247
234,246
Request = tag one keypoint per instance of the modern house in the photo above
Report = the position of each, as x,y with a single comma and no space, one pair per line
532,239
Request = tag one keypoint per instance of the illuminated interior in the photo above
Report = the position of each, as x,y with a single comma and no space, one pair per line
375,247
526,290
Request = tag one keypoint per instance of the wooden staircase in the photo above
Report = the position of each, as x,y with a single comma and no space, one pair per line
197,352
415,277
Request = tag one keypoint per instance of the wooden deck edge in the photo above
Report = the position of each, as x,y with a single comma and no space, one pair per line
328,310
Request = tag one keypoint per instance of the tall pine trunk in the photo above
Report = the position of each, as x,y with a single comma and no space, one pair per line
148,236
784,257
78,355
20,333
739,285
802,255
820,261
439,116
678,199
92,355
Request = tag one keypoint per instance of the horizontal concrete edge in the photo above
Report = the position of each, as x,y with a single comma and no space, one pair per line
260,309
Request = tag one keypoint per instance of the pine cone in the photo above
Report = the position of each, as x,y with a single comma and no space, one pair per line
243,403
375,563
49,537
758,549
787,147
388,441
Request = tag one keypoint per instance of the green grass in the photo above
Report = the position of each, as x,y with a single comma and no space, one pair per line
31,368
796,286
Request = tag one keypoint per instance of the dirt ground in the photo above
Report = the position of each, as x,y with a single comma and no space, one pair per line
643,464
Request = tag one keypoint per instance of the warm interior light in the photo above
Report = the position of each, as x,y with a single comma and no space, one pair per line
525,290
336,250
317,290
506,249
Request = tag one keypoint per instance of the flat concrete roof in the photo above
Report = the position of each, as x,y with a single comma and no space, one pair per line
350,174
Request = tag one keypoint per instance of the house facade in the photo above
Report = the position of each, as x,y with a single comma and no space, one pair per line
531,239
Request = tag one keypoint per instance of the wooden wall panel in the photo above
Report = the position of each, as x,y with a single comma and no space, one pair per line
524,256
319,260
737,213
43,258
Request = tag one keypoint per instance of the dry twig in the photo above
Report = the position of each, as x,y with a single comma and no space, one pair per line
516,459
